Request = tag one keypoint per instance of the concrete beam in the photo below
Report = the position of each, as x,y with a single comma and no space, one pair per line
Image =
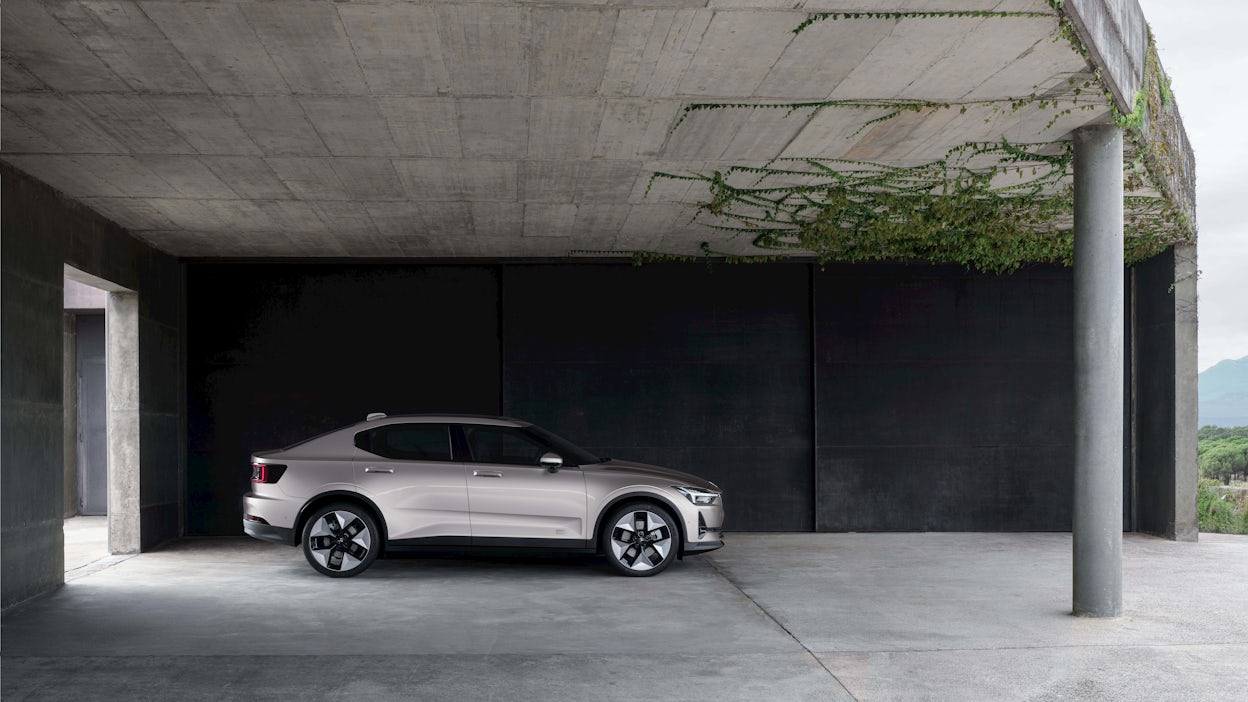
1116,36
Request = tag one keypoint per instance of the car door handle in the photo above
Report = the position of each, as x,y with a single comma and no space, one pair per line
370,469
487,474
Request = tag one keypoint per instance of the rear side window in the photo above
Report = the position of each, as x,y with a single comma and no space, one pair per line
408,442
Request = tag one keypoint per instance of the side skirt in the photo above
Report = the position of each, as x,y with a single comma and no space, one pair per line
479,544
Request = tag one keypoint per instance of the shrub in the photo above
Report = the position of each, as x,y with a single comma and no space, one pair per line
1221,511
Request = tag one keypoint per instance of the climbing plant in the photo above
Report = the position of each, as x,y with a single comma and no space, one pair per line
989,206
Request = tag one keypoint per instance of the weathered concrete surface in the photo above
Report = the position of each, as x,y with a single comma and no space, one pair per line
42,233
448,129
1116,35
782,616
124,448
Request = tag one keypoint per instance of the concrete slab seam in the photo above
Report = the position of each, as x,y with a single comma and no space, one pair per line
96,566
763,610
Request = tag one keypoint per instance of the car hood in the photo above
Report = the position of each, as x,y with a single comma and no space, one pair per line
677,477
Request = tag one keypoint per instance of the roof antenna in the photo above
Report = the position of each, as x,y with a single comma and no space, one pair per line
375,415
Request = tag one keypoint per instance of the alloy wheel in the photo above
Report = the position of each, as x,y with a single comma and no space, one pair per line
641,540
340,541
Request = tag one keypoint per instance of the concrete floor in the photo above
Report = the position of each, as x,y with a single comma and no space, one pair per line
86,541
770,617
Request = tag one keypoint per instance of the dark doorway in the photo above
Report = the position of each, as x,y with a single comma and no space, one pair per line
92,421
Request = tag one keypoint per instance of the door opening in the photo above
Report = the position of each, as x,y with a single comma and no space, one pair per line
101,419
86,425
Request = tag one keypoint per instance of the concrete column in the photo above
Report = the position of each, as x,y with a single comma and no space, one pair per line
1186,473
122,341
1098,262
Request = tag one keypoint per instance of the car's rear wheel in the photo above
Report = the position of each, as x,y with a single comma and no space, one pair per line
640,539
341,540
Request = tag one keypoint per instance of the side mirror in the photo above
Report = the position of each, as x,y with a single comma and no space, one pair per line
551,461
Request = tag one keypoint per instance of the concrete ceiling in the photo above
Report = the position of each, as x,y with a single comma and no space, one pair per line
379,129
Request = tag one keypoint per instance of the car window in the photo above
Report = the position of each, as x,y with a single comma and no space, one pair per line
490,444
408,442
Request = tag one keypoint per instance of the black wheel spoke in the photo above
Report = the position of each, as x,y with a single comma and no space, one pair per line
331,522
355,527
623,535
652,555
335,557
357,551
660,534
639,522
320,543
630,555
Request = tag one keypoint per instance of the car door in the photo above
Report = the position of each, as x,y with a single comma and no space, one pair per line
407,471
513,497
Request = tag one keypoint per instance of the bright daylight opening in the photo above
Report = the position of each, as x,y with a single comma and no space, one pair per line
99,371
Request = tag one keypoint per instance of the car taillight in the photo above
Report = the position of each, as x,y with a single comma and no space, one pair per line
266,472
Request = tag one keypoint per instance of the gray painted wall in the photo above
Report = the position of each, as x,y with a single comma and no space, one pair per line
42,232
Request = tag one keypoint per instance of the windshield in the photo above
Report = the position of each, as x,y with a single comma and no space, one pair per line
570,452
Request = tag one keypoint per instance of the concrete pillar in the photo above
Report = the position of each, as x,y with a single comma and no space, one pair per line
1186,472
1099,303
122,340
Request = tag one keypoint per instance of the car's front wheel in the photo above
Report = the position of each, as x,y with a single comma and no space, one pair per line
341,540
640,539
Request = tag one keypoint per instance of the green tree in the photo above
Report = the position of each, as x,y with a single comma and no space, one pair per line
1223,458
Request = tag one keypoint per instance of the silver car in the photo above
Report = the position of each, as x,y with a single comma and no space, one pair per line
458,481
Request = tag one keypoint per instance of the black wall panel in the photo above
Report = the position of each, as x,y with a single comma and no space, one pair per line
704,371
279,353
939,399
1154,377
944,399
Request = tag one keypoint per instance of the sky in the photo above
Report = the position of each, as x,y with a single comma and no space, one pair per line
1201,45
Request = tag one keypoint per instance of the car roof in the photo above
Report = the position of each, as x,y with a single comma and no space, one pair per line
443,418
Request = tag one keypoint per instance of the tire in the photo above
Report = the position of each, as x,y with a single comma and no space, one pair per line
334,553
619,540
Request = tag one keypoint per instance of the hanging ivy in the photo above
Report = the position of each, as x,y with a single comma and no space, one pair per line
987,206
950,210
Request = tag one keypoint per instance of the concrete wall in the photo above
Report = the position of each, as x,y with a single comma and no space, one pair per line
42,232
1164,405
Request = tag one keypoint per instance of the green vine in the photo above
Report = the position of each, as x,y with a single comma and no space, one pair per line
950,210
913,14
988,206
900,106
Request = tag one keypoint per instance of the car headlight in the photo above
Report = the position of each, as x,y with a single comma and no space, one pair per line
696,495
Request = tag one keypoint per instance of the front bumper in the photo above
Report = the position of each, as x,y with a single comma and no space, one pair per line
268,532
692,547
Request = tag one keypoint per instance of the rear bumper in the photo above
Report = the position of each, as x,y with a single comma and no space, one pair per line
268,532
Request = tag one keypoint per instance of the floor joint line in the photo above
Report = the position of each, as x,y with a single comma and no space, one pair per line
720,572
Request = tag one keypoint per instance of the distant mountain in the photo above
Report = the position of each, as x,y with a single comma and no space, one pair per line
1224,394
